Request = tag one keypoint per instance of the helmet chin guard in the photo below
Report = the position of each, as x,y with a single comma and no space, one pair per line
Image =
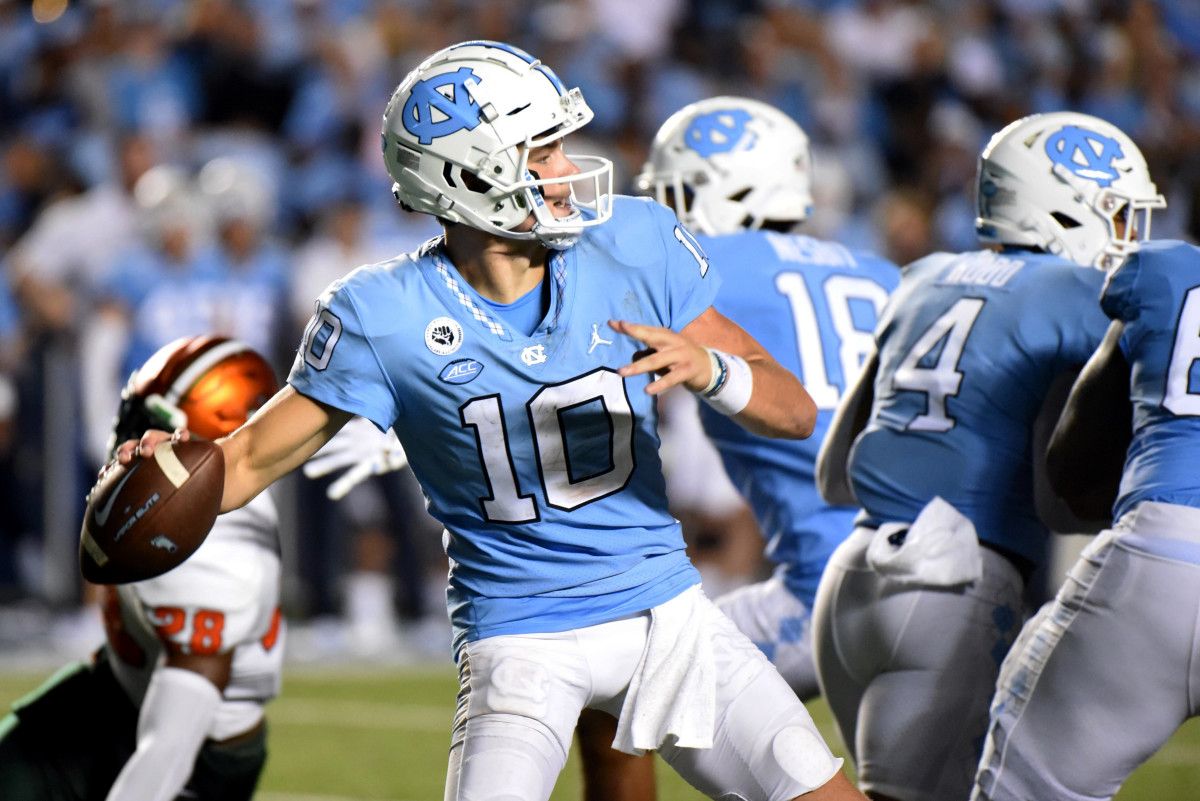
457,134
1068,183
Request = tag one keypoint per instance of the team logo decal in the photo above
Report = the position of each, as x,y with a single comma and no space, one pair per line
597,339
461,371
718,132
534,354
441,105
443,335
1085,153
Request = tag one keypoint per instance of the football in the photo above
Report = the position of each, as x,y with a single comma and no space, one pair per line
146,517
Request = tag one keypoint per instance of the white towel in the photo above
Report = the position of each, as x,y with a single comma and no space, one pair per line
673,692
939,549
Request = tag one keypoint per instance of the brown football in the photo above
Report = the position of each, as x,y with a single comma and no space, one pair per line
146,517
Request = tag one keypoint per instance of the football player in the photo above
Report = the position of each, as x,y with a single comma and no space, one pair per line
175,696
1127,615
919,606
737,171
536,446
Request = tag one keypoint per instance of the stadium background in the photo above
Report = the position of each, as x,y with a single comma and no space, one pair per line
898,98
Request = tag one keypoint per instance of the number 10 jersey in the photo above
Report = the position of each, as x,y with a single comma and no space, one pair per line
538,458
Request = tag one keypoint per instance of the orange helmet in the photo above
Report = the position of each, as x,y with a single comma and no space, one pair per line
207,384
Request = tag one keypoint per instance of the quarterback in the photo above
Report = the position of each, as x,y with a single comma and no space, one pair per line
569,585
919,606
175,697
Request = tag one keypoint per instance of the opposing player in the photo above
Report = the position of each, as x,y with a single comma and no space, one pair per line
175,696
919,606
737,171
535,444
1127,615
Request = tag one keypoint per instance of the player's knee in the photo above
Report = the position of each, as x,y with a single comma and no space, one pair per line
508,758
802,756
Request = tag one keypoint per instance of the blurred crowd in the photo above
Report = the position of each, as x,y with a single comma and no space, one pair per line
170,168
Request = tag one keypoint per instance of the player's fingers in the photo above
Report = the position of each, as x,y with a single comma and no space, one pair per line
664,382
149,441
125,452
653,362
181,435
653,336
347,481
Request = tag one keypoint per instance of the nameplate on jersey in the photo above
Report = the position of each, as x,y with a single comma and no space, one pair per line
461,371
982,269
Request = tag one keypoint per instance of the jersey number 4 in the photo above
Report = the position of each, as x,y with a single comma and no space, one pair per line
1180,399
600,392
943,379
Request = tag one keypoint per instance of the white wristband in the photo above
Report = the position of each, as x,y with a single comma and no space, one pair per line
729,390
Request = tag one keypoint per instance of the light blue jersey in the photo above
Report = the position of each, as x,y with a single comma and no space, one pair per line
1156,293
541,461
813,305
968,349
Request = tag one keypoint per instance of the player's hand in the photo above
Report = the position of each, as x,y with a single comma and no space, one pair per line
130,449
362,448
674,358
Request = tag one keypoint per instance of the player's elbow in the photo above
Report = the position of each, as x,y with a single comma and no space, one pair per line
803,417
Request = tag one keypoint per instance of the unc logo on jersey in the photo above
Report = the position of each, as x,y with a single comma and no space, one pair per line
441,105
443,335
461,371
534,354
718,132
1085,153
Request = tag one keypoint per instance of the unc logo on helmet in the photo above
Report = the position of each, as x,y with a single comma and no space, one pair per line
718,132
1085,153
447,95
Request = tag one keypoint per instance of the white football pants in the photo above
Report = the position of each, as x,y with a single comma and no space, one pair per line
520,697
909,671
1104,674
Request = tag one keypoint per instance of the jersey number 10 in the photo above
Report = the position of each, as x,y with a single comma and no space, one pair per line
548,413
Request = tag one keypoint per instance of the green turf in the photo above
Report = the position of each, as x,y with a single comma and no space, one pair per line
382,735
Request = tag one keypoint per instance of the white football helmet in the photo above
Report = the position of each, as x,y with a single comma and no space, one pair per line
235,191
457,135
1060,182
167,200
730,163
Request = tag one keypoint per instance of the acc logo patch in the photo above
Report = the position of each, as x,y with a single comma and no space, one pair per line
441,105
1085,153
718,132
461,371
443,335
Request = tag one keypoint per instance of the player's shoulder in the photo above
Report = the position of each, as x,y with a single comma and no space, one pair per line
1171,257
641,235
372,293
635,221
1159,271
